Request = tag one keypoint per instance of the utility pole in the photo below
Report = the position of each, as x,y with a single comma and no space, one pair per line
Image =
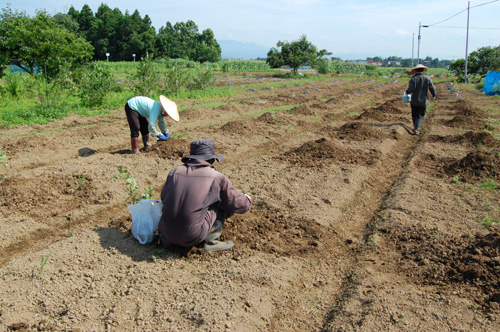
419,37
467,44
412,49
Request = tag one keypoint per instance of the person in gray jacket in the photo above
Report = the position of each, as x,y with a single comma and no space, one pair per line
419,87
196,200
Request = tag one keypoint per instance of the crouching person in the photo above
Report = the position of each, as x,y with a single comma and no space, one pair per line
196,200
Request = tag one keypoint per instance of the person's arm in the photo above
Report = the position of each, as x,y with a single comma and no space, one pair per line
162,124
411,87
154,114
432,88
232,200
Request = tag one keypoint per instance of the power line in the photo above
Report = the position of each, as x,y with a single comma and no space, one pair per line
466,28
460,12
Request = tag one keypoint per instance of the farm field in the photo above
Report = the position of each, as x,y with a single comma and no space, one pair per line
356,224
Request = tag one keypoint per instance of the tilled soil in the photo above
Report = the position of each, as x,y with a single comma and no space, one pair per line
356,224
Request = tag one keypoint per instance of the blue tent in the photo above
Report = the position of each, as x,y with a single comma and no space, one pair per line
492,83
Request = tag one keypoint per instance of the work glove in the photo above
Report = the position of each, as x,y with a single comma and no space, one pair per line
162,137
167,135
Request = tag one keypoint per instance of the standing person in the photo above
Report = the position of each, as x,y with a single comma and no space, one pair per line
196,200
419,87
142,115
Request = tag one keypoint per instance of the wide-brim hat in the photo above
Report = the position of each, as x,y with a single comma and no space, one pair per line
420,66
202,149
170,107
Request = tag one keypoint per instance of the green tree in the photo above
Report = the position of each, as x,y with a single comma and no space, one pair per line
38,44
183,41
294,54
138,36
479,62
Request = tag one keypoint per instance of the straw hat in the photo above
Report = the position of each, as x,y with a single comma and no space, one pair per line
170,107
420,66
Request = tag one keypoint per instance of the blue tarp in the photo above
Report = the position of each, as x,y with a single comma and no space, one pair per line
492,83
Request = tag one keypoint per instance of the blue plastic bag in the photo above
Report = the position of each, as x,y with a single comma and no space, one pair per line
492,83
145,217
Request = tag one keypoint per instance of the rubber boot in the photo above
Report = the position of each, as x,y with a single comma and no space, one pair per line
218,246
135,145
147,142
211,243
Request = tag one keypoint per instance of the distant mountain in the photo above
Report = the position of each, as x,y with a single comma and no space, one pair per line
232,49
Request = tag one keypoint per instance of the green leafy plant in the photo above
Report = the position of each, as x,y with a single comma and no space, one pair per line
146,78
95,84
133,195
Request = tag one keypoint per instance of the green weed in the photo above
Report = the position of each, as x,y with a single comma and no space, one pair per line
43,263
489,185
81,177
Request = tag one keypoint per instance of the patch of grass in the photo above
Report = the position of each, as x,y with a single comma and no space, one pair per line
489,185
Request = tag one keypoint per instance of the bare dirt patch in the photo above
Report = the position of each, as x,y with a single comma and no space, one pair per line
357,225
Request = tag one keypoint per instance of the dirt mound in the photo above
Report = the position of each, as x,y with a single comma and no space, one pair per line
475,166
239,127
372,114
470,260
172,148
390,107
465,107
269,231
466,121
271,118
302,109
358,131
228,108
470,139
190,114
59,194
317,153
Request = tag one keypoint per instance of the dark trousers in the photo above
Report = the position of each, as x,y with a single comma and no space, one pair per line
417,115
136,122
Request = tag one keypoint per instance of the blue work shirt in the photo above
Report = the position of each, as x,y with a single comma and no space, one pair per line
151,110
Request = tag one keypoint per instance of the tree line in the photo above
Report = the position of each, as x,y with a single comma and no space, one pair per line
123,34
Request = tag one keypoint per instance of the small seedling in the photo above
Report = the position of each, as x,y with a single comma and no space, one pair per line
3,159
133,196
81,177
158,253
42,265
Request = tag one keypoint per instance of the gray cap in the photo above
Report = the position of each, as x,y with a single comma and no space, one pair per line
202,149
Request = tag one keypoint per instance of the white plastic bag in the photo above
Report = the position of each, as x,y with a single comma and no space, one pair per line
145,217
406,98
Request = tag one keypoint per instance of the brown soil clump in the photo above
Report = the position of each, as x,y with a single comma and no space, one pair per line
475,166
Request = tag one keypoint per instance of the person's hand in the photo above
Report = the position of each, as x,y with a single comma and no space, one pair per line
162,137
167,135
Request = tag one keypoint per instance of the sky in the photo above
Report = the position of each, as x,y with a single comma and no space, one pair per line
354,29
